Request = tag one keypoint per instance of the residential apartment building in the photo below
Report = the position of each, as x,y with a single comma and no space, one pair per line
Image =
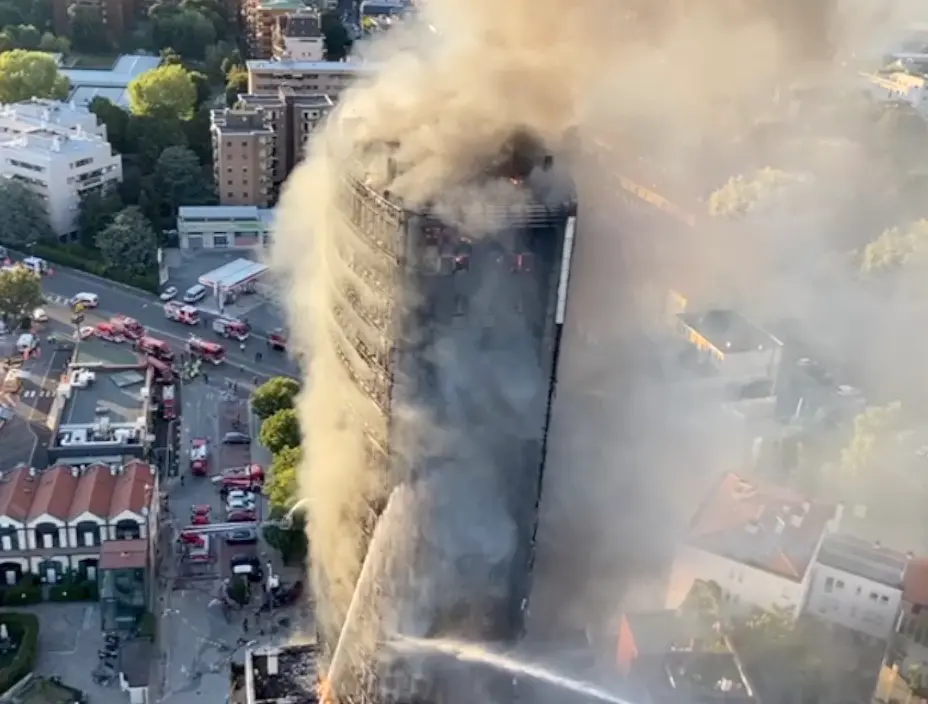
260,20
55,521
117,15
329,77
263,136
757,543
298,37
858,585
60,166
242,156
41,114
915,601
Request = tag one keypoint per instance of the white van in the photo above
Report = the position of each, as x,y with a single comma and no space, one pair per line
194,294
36,265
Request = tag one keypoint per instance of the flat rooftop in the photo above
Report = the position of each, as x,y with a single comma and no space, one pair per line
728,331
114,393
283,673
111,83
864,559
97,352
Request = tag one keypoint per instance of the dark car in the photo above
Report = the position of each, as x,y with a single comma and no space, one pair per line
242,516
236,438
246,536
248,566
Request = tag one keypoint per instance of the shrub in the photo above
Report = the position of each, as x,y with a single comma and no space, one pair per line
73,591
24,661
148,627
23,594
77,257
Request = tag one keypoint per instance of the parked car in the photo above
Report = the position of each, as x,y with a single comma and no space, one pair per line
242,494
87,300
242,516
168,294
240,504
248,566
40,315
236,438
245,536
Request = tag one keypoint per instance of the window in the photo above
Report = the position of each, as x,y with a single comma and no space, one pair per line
829,584
839,584
230,194
872,596
884,599
229,182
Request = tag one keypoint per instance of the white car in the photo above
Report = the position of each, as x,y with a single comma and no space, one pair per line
86,332
168,294
241,504
88,300
40,315
241,495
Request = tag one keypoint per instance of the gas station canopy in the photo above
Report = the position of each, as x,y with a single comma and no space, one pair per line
231,275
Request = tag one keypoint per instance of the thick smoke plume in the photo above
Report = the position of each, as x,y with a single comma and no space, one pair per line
447,91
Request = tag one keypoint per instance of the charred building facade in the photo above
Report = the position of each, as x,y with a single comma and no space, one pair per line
457,318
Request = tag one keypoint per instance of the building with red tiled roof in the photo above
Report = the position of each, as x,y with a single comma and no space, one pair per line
756,542
56,520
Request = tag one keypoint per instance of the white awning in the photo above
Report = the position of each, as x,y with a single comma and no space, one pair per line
233,274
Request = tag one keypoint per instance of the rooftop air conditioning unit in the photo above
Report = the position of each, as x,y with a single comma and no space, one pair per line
103,425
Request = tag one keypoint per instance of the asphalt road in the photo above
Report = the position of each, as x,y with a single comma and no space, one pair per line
117,299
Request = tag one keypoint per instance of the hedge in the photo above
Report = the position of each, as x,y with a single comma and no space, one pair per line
26,626
22,594
78,257
75,591
148,627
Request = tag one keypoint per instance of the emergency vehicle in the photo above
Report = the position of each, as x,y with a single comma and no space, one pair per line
158,349
209,351
252,472
109,332
163,372
168,403
180,313
131,328
231,327
199,457
277,340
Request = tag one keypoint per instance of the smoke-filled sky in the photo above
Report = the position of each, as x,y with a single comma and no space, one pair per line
685,95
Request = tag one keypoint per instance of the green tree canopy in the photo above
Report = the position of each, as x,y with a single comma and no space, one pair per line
276,394
873,443
280,431
894,248
336,37
281,484
116,120
26,36
148,137
741,194
129,243
185,30
89,32
97,210
164,92
25,216
28,74
20,293
179,180
236,84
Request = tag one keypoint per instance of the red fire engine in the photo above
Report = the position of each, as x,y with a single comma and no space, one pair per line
277,340
159,349
168,403
131,328
108,332
209,351
231,327
178,312
163,372
199,457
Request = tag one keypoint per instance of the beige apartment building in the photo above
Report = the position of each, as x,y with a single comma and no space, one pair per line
329,77
260,20
298,37
263,136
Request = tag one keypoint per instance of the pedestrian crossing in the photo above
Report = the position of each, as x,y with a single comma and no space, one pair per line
37,393
56,299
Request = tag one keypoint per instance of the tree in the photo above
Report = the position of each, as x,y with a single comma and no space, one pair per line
178,179
54,45
280,431
336,37
89,32
872,442
129,243
197,132
20,293
740,195
164,92
203,88
97,209
25,217
276,394
28,74
219,57
148,137
186,31
236,84
775,625
895,248
281,485
116,120
289,540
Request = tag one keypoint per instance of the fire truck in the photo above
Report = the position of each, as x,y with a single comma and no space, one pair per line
163,372
168,403
199,457
130,328
209,351
178,312
231,327
159,349
109,332
277,340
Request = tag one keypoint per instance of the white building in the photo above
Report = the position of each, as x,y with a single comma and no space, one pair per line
40,114
301,49
60,167
757,543
858,585
224,226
